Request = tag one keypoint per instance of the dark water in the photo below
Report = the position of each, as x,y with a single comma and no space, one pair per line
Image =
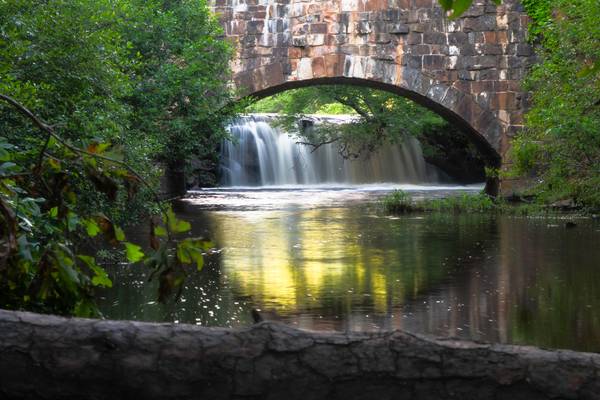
331,260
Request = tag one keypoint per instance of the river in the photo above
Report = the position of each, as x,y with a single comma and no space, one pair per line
303,239
330,259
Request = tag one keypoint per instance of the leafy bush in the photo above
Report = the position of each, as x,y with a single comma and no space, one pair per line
43,266
560,144
114,84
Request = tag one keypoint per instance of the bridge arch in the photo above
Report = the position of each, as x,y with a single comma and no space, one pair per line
468,70
481,141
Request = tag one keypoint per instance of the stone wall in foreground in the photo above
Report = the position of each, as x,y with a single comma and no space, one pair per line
53,357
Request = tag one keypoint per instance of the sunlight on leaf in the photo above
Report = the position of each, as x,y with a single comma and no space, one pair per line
134,252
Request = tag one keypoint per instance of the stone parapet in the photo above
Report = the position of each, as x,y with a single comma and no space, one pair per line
45,357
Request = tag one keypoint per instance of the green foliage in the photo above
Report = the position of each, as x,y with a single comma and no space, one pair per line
381,117
398,202
42,264
540,13
150,77
66,59
307,101
561,142
114,84
180,79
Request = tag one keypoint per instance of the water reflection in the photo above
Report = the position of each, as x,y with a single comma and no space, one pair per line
348,268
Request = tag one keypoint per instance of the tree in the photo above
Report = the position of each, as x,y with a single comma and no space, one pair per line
180,93
560,145
104,98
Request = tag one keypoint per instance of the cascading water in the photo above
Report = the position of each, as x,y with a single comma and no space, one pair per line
261,155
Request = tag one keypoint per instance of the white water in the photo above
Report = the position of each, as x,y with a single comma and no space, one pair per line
261,155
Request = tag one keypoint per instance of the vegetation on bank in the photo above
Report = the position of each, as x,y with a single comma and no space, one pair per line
91,93
400,202
560,145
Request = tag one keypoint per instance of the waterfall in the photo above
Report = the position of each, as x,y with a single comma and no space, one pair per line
261,155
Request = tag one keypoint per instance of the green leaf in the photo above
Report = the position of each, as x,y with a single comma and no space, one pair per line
72,221
4,154
134,252
119,234
176,225
446,4
459,7
68,276
91,227
157,260
191,251
7,167
160,231
85,309
100,277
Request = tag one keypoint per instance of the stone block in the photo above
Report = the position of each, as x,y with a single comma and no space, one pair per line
254,27
315,39
414,38
363,27
318,28
318,67
398,29
433,62
479,24
299,41
305,68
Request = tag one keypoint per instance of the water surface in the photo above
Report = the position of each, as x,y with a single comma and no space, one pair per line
329,259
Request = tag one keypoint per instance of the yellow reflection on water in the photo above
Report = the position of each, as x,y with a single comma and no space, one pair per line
296,260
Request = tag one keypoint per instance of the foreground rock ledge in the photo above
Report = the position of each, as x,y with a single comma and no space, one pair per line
51,357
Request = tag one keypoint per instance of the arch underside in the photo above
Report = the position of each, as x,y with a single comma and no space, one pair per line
458,108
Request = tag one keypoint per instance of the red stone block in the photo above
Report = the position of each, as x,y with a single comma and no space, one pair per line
423,3
294,52
318,67
334,65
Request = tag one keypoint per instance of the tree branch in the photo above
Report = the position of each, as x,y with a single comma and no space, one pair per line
315,146
50,132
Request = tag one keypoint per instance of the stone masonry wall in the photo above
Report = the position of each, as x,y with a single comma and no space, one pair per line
48,357
468,69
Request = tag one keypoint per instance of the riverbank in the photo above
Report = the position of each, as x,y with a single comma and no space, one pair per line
401,202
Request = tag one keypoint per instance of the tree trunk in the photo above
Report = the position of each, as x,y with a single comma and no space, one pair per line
52,357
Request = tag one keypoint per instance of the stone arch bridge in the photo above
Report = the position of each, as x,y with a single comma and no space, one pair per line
468,70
